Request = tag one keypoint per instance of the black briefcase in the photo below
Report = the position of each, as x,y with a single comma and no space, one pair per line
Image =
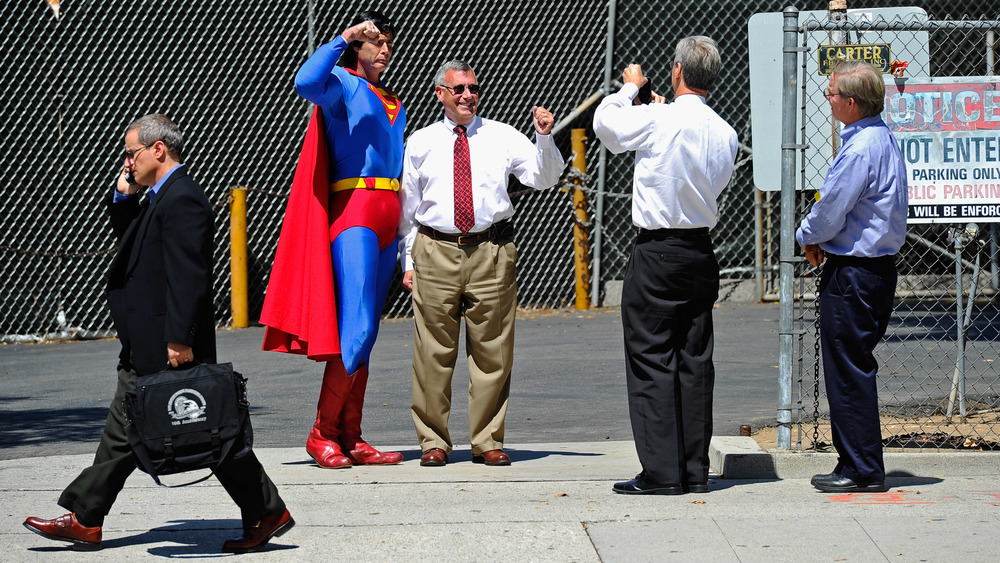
187,419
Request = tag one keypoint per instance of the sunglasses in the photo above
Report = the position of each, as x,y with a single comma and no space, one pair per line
460,89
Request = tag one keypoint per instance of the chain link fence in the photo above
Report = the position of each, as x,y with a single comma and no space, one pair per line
938,381
224,72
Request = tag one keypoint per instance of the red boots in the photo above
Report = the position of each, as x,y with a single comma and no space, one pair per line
338,422
326,452
322,442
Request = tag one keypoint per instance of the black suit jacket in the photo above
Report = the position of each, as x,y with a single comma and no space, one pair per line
160,281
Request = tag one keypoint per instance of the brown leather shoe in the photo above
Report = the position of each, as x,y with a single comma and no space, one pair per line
256,537
67,528
434,457
492,457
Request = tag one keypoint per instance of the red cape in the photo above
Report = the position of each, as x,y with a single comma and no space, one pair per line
300,309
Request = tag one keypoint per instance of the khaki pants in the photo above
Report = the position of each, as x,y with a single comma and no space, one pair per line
477,283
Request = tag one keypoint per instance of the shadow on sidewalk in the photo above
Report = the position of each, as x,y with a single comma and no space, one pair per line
464,455
186,539
34,426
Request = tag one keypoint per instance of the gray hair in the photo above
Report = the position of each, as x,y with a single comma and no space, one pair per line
700,61
860,80
158,127
456,65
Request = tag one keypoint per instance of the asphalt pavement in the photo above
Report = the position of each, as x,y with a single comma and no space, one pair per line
567,434
568,383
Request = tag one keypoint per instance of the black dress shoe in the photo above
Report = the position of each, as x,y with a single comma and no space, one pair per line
693,487
837,483
641,486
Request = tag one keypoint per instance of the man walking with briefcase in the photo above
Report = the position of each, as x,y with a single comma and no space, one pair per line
160,295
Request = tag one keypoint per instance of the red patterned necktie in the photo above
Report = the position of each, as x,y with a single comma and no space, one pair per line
465,216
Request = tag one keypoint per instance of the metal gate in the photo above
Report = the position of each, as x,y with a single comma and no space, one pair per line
938,379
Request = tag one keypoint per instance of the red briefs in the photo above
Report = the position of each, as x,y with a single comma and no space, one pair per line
376,209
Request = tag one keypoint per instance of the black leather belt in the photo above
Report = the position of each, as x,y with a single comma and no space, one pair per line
660,234
497,231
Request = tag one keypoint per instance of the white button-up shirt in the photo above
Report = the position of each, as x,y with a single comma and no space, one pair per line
684,157
496,150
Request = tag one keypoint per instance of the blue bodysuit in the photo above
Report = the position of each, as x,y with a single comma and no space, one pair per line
364,125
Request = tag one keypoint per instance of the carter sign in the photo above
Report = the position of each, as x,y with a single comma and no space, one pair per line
878,55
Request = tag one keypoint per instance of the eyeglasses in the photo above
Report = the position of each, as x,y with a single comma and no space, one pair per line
460,89
828,94
130,155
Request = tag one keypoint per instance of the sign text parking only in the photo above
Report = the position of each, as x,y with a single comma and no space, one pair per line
948,130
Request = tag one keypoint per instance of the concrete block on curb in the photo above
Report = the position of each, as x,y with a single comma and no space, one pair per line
612,293
740,457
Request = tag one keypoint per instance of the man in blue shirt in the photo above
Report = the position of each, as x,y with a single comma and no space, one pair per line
858,225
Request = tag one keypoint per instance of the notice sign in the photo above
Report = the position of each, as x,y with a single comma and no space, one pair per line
878,55
948,131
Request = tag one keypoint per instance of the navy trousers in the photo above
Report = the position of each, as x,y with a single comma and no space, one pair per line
855,302
671,284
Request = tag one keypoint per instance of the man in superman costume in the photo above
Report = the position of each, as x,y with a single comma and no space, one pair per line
337,251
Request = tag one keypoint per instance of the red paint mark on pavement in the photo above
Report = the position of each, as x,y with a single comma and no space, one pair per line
877,498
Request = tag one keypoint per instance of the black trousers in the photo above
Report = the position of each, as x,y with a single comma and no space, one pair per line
671,284
855,304
93,492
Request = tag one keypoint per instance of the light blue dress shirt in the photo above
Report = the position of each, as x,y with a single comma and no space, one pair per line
862,205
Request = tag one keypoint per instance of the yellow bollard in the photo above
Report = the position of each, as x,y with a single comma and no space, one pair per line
238,255
581,233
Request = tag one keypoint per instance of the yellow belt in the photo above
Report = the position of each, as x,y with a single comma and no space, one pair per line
365,183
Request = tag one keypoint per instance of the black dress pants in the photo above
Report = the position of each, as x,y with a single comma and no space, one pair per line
671,284
855,305
93,492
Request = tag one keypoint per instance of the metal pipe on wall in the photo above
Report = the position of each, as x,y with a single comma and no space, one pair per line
597,283
990,70
581,231
787,248
238,256
311,9
758,243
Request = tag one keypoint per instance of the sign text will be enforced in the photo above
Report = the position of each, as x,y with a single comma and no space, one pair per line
949,133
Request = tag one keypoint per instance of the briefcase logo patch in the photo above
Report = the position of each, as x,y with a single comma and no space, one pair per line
186,406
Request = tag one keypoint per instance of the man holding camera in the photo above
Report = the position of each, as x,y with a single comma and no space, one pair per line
685,155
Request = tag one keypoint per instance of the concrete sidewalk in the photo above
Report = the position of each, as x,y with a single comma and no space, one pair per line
553,504
568,436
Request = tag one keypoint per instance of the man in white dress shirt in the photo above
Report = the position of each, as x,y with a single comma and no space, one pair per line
457,247
685,154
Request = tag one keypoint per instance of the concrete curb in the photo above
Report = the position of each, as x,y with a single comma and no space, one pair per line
740,457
